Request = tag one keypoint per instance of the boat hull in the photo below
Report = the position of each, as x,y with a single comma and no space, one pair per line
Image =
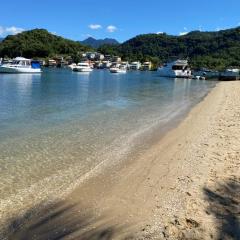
5,69
229,77
115,70
174,74
82,69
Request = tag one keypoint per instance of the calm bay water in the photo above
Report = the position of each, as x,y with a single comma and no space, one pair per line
58,126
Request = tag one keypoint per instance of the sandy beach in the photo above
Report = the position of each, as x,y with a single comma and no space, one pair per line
186,186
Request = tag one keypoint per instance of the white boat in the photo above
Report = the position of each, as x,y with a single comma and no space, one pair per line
72,66
118,69
21,65
82,67
176,69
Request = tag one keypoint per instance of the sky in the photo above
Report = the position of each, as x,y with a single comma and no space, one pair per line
122,20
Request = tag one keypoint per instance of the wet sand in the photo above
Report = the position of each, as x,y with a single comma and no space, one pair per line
186,186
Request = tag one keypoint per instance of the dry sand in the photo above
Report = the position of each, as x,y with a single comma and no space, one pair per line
187,186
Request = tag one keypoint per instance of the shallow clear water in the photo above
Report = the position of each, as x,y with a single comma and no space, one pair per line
61,124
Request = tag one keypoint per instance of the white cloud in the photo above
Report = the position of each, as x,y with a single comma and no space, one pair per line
14,30
111,28
183,33
159,32
10,30
1,31
95,26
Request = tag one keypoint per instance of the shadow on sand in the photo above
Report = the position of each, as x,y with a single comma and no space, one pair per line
61,221
224,204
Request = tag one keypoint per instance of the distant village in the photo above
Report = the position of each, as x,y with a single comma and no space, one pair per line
94,60
98,61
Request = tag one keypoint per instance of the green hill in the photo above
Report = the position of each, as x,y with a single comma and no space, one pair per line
38,43
204,49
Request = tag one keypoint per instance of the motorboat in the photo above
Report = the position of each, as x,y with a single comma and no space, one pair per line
21,65
206,73
72,66
83,67
176,69
229,74
118,68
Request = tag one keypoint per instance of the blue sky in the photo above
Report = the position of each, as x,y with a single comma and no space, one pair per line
124,19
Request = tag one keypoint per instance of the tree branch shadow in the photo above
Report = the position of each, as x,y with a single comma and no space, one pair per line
61,221
224,204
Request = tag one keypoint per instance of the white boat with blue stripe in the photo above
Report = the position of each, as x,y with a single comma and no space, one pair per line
21,65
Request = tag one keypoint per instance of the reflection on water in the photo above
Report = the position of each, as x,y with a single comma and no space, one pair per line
57,126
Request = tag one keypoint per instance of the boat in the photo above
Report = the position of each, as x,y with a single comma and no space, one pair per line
118,68
82,67
229,75
206,73
72,66
21,65
176,69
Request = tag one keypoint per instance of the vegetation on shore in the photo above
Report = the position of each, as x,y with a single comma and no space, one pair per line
39,43
216,50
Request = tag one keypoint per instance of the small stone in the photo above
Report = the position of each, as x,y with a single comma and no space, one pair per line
192,223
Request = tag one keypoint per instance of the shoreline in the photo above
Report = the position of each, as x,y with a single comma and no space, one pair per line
159,194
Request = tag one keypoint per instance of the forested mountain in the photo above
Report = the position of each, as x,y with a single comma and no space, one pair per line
96,43
203,49
39,43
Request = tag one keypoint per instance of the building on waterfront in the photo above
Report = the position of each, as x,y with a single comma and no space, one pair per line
146,66
135,66
116,59
51,63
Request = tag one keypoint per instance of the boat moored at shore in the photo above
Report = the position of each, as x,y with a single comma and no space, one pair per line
118,68
82,67
229,75
21,65
176,69
206,73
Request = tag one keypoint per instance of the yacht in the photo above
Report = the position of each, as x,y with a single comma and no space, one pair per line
176,69
82,67
21,65
118,68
